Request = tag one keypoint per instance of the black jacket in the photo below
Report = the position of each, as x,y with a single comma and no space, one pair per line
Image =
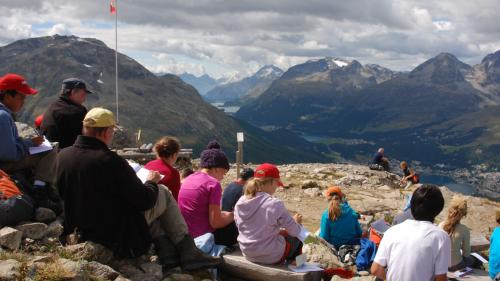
62,122
103,198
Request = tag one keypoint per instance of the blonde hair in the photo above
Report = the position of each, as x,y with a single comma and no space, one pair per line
456,211
334,210
255,185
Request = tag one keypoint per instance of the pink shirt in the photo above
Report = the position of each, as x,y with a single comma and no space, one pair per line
198,191
171,178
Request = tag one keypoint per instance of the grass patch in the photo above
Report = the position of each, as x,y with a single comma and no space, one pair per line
52,272
18,256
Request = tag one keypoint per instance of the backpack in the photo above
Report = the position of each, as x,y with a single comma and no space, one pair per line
8,187
366,254
415,179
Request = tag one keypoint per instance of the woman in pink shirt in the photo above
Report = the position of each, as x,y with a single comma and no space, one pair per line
201,192
167,149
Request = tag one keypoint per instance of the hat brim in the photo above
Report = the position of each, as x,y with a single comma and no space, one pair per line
89,92
28,91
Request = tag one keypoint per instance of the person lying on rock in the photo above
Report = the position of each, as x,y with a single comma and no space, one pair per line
339,223
228,235
201,192
459,234
268,234
380,159
15,157
167,149
416,249
105,202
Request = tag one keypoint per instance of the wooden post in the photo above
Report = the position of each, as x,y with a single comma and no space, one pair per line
239,154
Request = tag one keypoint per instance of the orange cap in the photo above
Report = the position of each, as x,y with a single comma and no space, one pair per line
333,189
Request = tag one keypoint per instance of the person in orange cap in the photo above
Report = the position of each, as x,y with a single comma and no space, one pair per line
15,157
339,223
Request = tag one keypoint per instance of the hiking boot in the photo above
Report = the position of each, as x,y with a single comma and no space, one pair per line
166,252
193,258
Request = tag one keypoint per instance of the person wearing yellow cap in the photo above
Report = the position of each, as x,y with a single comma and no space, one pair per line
339,223
15,157
105,201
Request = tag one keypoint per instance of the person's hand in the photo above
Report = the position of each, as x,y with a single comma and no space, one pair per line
298,218
38,140
154,176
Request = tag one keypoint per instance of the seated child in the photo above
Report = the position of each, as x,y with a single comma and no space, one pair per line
260,219
339,223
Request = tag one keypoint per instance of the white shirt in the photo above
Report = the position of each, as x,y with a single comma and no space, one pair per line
414,251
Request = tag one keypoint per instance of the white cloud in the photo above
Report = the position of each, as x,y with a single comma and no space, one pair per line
60,29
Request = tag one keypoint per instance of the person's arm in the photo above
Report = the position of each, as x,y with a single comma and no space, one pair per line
378,271
286,221
218,218
324,227
443,258
12,148
466,243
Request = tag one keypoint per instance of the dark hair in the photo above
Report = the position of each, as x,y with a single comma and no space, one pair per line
186,172
426,203
66,92
3,93
167,146
246,174
497,216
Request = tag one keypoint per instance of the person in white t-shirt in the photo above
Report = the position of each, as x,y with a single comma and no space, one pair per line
416,250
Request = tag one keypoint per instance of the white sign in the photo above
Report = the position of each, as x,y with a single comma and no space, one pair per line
239,137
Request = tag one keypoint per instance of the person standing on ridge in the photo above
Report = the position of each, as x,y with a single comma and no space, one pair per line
62,122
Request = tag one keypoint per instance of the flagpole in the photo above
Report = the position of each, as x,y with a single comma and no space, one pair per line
116,61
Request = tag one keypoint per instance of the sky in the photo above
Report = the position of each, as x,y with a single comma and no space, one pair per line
235,38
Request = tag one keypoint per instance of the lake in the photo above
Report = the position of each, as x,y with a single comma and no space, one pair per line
227,109
466,189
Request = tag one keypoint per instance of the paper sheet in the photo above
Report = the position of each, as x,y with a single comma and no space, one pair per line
303,234
307,267
479,257
143,173
45,146
463,272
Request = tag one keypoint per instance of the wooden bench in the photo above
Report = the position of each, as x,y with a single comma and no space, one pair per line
236,265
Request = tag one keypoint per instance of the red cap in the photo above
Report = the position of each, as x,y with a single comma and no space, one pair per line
267,170
16,82
38,121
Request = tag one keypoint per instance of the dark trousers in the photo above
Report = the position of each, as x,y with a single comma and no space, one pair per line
226,236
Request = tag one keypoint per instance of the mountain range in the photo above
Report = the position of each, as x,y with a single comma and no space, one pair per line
158,105
203,83
245,89
443,111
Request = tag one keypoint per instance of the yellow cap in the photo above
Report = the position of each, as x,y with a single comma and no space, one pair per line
99,117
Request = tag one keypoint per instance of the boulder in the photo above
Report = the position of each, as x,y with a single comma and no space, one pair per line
10,238
55,229
121,278
321,254
153,269
10,270
91,251
313,192
72,270
45,215
102,271
33,230
309,184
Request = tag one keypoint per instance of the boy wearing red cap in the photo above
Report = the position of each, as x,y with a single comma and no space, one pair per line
14,150
260,219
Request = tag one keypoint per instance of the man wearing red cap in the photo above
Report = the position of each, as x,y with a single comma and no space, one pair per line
14,150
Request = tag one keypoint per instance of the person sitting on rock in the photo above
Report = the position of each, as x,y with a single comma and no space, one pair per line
416,249
228,235
15,206
409,176
339,223
201,192
459,234
380,159
15,157
167,149
62,121
106,203
494,262
261,217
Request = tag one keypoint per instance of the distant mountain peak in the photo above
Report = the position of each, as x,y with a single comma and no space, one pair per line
269,71
444,68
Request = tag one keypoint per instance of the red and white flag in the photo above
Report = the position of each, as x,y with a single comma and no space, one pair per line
112,7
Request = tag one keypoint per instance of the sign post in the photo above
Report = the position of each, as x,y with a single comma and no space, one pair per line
239,153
